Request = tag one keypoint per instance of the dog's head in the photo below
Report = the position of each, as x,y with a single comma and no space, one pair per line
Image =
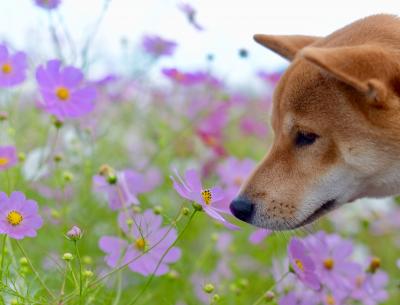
337,133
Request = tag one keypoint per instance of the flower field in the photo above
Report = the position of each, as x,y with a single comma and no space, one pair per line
115,189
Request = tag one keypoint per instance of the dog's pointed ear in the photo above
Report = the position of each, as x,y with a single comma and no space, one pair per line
285,45
369,69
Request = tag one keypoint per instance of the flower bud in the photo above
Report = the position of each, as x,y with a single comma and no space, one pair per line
243,283
23,261
57,123
173,274
269,296
14,302
157,210
3,116
67,257
197,206
87,273
57,158
216,298
67,176
21,157
74,234
136,209
208,288
185,211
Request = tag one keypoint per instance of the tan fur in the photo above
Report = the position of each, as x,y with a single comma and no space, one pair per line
345,88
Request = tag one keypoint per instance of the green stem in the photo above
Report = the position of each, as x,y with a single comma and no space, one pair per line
62,291
80,271
162,258
34,270
270,288
3,254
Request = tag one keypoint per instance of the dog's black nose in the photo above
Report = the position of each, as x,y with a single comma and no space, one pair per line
242,208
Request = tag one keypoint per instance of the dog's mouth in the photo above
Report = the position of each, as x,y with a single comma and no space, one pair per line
322,210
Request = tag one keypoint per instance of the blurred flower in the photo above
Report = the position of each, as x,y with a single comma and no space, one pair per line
48,4
271,78
123,191
12,67
190,13
62,91
157,46
18,216
331,255
250,126
370,288
8,157
75,233
296,298
302,264
259,235
210,129
211,199
185,78
151,241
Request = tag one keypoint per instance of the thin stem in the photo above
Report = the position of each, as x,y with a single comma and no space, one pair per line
34,270
162,258
270,288
80,271
62,290
8,182
3,253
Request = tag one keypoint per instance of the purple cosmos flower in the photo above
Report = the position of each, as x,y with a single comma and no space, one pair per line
12,67
259,235
62,91
151,241
271,78
190,14
185,78
211,200
330,254
157,46
369,289
250,126
8,157
123,191
302,264
305,297
48,4
18,216
75,233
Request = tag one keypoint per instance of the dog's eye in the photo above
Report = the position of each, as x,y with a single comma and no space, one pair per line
303,138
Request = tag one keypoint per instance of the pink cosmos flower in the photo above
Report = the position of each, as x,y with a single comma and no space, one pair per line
259,235
62,91
369,289
185,78
18,216
331,255
8,157
190,13
250,126
12,67
48,4
151,241
302,264
211,199
124,190
271,78
157,46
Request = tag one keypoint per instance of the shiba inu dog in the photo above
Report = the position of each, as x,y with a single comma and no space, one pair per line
336,120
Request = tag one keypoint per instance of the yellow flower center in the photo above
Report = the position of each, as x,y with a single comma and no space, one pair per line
140,243
4,161
210,141
359,281
330,300
14,218
206,194
329,263
6,68
299,264
62,93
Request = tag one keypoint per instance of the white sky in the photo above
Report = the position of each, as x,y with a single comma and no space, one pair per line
230,25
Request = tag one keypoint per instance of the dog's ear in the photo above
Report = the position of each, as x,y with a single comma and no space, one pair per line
285,45
367,68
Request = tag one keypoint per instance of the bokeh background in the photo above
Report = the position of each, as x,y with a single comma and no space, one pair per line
197,96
